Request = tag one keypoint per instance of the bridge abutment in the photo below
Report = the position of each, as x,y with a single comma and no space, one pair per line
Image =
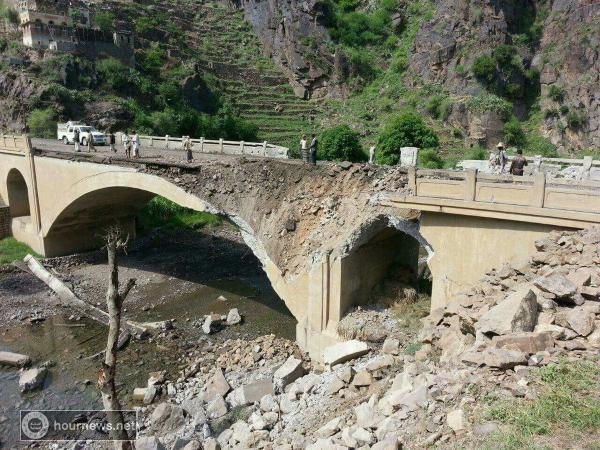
466,247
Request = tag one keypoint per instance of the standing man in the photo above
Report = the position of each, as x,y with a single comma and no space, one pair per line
371,154
125,142
187,146
111,141
135,138
313,149
517,166
304,148
90,143
502,158
76,139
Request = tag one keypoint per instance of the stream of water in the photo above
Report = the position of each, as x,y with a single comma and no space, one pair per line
69,344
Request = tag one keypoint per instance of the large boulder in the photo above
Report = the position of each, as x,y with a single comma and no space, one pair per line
344,351
517,313
148,443
525,342
559,286
167,418
32,379
289,372
580,320
217,386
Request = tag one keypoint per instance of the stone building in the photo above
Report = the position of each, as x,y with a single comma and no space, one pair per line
67,26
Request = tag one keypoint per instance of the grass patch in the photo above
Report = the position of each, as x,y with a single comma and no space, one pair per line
163,213
409,314
568,403
11,250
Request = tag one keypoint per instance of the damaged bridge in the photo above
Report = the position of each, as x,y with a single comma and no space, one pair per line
325,235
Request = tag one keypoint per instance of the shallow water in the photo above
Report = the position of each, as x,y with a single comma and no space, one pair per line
69,345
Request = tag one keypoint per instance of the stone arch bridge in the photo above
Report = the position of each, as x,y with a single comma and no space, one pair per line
325,235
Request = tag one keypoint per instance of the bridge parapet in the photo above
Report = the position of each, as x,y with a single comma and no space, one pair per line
12,143
218,146
557,201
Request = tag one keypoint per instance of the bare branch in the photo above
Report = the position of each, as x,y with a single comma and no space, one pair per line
130,284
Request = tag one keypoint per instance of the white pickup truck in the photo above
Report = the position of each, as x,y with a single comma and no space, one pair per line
66,133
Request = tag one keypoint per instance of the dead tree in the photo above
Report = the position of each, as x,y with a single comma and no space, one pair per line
115,241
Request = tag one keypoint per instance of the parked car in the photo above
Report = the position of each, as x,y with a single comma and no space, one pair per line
66,133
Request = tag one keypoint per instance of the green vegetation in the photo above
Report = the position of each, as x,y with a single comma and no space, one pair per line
104,20
576,119
13,250
539,145
156,101
556,93
9,14
567,404
42,123
439,106
341,144
484,68
404,130
513,132
163,213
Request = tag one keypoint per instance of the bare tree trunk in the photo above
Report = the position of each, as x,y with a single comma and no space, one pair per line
106,380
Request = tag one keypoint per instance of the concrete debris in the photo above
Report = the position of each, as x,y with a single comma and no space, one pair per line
290,371
234,317
14,359
518,312
344,351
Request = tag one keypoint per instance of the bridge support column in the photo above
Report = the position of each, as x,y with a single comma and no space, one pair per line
466,247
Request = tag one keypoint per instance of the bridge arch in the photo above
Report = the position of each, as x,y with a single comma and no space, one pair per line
18,194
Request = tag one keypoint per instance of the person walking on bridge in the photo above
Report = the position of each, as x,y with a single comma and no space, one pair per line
111,141
517,166
135,139
126,144
187,146
313,149
76,139
304,149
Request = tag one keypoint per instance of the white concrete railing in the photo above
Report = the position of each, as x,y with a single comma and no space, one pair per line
215,146
539,190
585,168
13,143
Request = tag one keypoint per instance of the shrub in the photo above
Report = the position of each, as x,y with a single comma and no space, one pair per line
513,132
341,144
116,74
104,20
564,109
429,158
42,123
477,152
484,68
151,60
556,93
439,106
539,145
551,113
404,130
504,54
576,119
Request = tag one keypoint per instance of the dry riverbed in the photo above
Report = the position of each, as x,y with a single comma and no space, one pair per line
181,276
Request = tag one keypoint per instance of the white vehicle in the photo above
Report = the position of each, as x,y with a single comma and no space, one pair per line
66,133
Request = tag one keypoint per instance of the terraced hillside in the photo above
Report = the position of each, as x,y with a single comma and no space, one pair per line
229,49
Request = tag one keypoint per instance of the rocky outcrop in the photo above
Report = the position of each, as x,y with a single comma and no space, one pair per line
292,33
564,52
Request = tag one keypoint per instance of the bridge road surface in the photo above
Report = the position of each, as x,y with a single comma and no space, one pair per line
175,155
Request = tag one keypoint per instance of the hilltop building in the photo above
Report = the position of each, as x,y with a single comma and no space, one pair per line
68,26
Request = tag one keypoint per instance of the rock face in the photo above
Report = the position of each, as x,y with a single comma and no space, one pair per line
517,313
564,54
287,30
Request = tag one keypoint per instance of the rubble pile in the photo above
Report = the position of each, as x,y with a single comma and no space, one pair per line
489,341
523,313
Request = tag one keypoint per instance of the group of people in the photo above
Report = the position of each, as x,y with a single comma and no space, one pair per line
129,143
309,153
499,159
